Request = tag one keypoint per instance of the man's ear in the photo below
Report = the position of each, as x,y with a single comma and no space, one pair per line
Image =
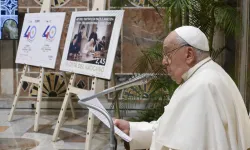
190,55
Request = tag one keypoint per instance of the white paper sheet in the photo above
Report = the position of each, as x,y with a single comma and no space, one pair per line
100,116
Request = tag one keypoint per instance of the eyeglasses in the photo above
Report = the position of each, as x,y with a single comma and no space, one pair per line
167,55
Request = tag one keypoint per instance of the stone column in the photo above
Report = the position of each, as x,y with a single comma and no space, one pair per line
243,59
7,51
218,43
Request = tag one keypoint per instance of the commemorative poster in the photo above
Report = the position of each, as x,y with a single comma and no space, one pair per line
91,43
40,38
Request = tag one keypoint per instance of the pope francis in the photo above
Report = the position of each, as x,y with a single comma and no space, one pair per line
206,111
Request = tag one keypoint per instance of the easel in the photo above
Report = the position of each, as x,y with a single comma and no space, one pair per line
44,9
97,86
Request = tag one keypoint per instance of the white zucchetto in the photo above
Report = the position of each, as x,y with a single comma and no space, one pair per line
194,37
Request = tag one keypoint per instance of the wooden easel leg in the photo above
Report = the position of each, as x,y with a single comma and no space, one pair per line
72,108
89,134
91,118
17,94
98,5
63,109
39,99
70,100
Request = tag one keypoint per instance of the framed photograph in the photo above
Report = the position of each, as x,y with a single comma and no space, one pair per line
155,2
119,79
128,3
137,3
8,19
91,43
133,91
40,38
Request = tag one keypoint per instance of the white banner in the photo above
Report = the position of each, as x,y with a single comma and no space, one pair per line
40,39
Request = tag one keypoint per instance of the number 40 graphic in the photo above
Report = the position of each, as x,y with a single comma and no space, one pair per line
30,33
49,32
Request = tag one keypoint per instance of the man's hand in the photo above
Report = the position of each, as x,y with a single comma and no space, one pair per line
122,125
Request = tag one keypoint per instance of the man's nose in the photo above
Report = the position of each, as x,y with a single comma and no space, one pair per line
164,62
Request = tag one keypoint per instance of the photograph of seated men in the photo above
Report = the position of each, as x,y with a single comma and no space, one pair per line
89,41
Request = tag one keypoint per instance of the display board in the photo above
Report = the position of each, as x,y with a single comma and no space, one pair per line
91,43
40,38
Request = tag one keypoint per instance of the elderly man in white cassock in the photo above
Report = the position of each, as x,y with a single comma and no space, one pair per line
206,111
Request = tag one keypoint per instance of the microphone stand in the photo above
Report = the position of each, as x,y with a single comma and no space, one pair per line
139,80
113,142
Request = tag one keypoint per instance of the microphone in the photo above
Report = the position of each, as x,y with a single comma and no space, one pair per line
138,80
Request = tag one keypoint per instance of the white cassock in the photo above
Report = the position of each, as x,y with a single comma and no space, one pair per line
206,112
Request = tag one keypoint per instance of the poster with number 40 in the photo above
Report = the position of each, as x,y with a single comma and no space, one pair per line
39,39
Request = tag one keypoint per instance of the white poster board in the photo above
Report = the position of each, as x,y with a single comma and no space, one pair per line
40,39
91,43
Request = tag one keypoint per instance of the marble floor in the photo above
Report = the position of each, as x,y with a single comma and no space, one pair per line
19,135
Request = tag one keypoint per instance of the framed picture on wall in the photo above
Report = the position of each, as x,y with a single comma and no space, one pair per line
8,20
91,43
129,3
136,92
